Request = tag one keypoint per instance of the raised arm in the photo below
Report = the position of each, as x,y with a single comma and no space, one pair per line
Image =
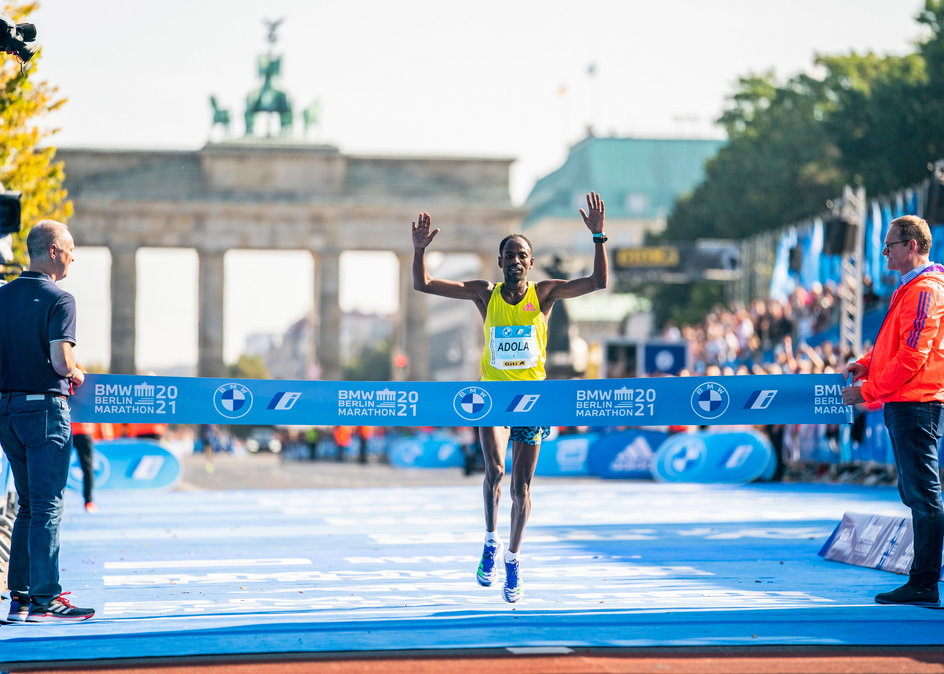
560,289
477,291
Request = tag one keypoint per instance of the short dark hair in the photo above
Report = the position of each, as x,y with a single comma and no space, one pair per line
912,227
501,246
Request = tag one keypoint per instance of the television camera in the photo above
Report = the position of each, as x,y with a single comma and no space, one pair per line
14,36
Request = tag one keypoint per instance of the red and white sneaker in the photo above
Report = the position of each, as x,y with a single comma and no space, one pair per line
58,610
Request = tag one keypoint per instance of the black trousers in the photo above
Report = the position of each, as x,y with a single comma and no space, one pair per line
84,447
915,429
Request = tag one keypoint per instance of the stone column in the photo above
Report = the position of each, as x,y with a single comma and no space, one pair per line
124,291
411,336
210,321
328,313
313,369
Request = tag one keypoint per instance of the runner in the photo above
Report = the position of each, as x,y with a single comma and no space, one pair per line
511,355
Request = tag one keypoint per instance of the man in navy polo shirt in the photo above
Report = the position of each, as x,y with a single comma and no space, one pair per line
37,373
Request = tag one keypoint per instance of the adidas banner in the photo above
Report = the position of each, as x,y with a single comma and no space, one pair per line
746,399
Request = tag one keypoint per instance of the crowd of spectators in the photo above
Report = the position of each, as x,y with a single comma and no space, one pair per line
767,337
775,337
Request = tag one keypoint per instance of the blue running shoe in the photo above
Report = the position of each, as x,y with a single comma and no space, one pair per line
488,567
513,590
19,608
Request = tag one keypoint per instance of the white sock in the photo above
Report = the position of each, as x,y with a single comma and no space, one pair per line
491,538
510,556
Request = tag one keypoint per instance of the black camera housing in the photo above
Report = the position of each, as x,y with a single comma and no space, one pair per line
14,36
9,213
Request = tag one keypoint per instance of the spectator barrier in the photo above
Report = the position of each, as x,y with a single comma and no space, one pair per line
129,464
625,454
722,456
7,509
714,457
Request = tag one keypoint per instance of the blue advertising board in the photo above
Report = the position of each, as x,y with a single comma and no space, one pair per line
565,455
625,454
664,357
425,451
559,455
713,457
129,464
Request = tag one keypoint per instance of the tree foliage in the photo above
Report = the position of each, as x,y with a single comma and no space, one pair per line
24,165
777,164
860,120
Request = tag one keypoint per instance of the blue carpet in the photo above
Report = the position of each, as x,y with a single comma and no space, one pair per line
609,564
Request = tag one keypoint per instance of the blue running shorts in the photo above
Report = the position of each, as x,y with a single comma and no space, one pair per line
530,435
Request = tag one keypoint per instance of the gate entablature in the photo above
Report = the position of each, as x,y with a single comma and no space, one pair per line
278,195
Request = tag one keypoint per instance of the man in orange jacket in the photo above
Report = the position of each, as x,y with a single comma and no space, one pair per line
905,371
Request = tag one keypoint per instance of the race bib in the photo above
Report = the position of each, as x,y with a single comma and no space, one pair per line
513,347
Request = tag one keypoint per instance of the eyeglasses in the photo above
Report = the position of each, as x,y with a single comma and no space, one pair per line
892,243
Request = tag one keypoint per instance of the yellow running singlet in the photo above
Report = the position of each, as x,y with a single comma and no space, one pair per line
515,338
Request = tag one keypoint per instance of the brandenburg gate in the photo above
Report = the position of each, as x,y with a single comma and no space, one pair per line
281,194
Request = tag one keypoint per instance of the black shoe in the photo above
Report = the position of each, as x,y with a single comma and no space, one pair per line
58,610
911,595
19,607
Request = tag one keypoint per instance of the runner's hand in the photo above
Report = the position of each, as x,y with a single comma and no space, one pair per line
594,219
422,236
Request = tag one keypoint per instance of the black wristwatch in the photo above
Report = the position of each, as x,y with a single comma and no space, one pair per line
600,238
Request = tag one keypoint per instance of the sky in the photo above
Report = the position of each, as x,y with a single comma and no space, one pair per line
413,77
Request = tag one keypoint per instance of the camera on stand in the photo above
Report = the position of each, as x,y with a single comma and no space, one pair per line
9,212
14,36
9,224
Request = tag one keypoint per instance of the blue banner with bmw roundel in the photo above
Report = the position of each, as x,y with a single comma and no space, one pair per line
746,399
714,457
128,464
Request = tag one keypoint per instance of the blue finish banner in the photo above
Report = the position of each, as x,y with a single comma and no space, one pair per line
744,399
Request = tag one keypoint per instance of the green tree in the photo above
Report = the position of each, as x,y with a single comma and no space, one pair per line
24,166
248,367
880,121
864,119
778,165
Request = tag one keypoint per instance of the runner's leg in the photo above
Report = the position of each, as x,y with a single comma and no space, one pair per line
524,460
494,441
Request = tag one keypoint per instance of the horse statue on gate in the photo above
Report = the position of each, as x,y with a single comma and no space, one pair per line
311,116
220,116
268,97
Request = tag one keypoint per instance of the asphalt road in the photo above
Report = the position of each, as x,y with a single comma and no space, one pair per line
269,471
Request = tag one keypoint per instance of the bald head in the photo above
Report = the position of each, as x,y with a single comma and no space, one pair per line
50,247
44,235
